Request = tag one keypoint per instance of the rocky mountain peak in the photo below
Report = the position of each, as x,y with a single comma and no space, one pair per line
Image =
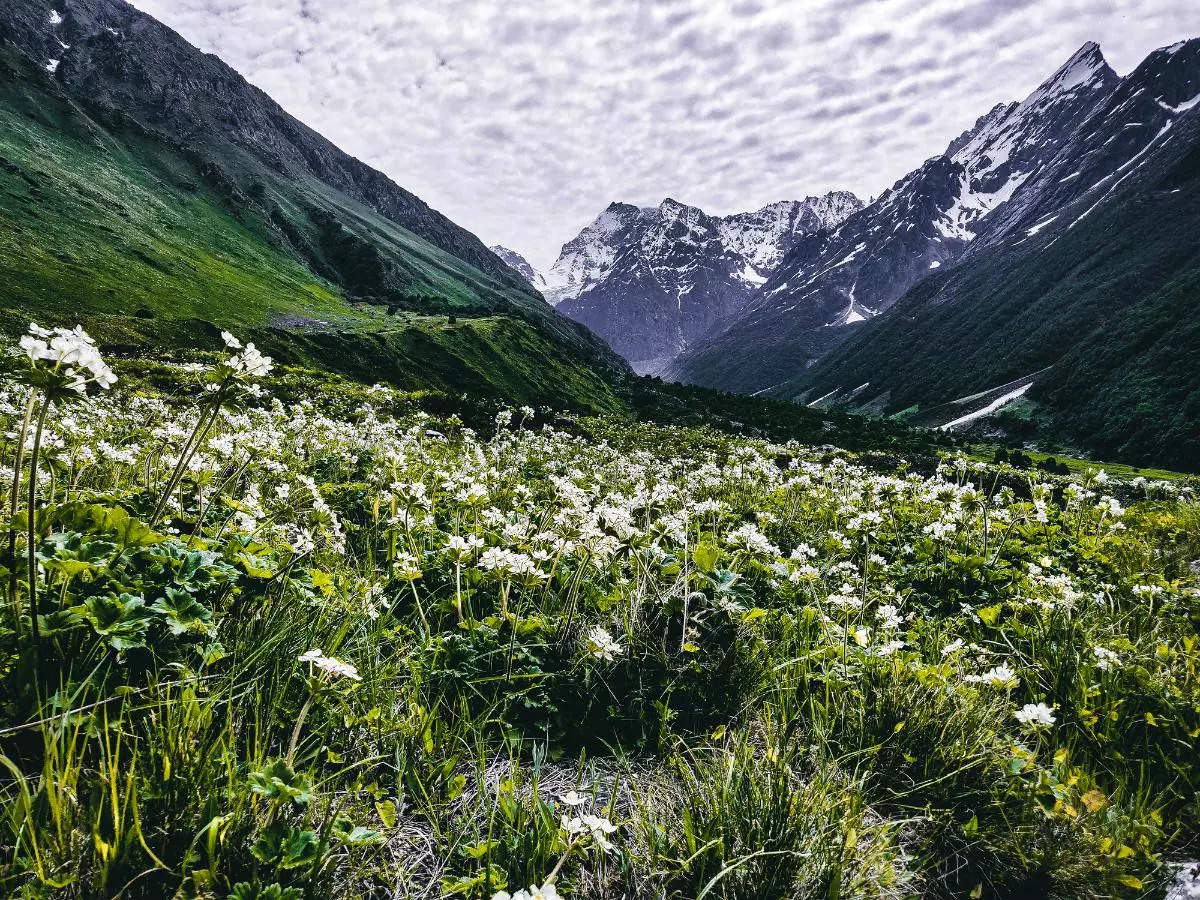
926,221
653,280
520,264
1172,73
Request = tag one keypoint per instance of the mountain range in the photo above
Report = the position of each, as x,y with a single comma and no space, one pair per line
653,280
151,193
1044,263
1039,277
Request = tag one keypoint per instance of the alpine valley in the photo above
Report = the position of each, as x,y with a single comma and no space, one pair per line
1051,253
345,557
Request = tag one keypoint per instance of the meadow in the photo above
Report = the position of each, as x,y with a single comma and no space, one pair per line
274,634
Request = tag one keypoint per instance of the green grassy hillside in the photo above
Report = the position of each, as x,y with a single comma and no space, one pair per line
104,223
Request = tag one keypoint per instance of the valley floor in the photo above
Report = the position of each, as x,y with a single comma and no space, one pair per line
274,634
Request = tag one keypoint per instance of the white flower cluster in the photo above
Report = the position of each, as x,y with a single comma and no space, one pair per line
602,645
597,828
250,362
509,563
73,353
1035,716
998,676
1105,659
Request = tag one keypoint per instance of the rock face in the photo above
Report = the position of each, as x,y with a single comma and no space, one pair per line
124,61
652,281
842,276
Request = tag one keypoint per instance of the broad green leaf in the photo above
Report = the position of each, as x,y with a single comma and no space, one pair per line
705,556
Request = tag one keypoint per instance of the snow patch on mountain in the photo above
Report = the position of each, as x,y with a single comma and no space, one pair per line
1002,400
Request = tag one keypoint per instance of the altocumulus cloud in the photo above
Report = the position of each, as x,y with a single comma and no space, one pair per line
522,119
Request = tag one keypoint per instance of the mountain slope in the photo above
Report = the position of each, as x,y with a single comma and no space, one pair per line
520,265
837,278
1094,276
652,281
141,178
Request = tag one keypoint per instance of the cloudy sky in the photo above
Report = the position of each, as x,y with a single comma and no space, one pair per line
523,119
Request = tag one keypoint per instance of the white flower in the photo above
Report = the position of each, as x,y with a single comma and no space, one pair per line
250,362
953,647
73,353
601,645
230,341
999,676
600,828
572,798
1105,658
329,664
1035,716
546,892
407,567
595,827
461,548
889,617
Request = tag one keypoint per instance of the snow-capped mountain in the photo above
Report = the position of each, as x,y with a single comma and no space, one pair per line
520,265
765,236
923,223
1137,116
651,280
1077,294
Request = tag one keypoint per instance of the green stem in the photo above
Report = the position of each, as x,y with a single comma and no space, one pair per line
296,731
32,533
420,608
195,439
12,508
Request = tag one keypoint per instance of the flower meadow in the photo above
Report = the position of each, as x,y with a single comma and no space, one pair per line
268,634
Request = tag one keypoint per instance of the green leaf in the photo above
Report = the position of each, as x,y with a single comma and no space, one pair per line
349,833
387,812
276,780
129,531
990,614
183,612
705,556
480,849
68,567
284,847
322,581
122,621
244,890
253,569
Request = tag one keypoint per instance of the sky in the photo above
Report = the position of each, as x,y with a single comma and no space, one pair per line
523,119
